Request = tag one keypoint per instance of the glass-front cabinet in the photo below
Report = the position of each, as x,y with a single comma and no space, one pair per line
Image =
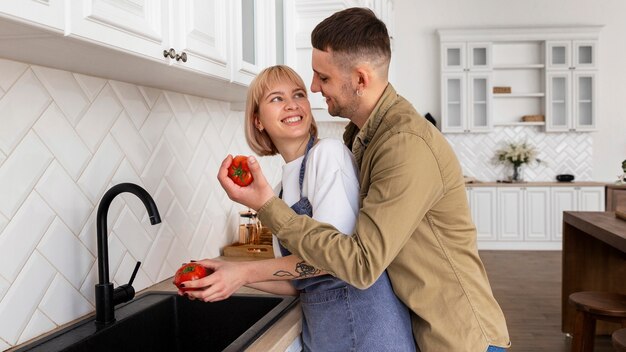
466,87
571,84
472,56
467,102
571,54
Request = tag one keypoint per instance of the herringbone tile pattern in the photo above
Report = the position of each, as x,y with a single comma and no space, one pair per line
561,152
65,139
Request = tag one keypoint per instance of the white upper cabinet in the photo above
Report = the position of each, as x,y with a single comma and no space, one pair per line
139,27
532,76
465,86
466,102
471,56
571,85
571,54
191,34
211,48
199,32
254,38
48,14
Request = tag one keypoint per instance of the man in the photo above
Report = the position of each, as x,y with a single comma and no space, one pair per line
414,219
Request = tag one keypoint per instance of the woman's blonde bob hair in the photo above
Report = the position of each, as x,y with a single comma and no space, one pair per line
259,141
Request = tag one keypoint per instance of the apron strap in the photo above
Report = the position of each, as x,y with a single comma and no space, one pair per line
302,166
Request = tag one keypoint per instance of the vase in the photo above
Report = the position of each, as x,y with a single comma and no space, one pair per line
517,174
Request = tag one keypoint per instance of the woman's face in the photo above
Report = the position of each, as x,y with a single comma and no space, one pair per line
285,112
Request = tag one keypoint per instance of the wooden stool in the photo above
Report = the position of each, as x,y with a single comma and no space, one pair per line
592,306
619,340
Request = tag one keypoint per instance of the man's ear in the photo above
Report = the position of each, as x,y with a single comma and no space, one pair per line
363,78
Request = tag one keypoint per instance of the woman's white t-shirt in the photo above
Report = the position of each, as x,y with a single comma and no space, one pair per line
330,183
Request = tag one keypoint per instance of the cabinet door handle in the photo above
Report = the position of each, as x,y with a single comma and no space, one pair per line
171,53
182,56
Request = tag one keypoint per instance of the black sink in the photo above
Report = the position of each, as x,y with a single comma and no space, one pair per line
164,321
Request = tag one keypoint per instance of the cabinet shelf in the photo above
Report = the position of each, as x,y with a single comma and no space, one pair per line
519,95
539,123
518,66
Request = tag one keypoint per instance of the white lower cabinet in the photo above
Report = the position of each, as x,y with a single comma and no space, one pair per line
523,213
527,217
483,205
574,198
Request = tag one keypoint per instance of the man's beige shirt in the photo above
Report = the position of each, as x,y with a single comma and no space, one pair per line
415,222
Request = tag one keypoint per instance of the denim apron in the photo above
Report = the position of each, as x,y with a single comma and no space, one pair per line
339,317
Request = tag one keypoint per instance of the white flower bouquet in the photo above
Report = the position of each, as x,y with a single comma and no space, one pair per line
516,154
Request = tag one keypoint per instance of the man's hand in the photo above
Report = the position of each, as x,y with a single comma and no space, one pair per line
253,196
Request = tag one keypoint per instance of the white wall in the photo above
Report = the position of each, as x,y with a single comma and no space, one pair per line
416,55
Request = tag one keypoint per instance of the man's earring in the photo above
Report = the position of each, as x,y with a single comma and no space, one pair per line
359,93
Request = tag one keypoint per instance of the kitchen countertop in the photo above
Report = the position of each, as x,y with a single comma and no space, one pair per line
536,184
277,338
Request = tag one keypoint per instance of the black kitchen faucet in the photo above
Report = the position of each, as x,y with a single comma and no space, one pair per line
106,297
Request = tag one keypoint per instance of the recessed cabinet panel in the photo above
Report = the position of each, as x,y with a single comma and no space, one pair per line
483,210
141,28
248,25
558,102
584,91
453,91
563,199
453,57
584,54
537,214
480,100
480,56
251,27
591,199
50,13
559,55
510,213
200,28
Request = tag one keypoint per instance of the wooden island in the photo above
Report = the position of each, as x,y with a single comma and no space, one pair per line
594,259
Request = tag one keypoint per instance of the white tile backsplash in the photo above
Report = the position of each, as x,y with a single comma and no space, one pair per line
59,136
25,294
133,101
64,196
63,303
22,234
97,121
65,139
21,106
38,324
560,152
91,86
74,261
21,171
64,90
10,71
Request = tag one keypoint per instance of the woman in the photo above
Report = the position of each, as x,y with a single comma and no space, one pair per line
320,180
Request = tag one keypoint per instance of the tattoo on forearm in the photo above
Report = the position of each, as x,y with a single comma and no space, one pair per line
302,270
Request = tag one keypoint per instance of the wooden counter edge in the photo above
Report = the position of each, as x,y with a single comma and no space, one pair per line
605,227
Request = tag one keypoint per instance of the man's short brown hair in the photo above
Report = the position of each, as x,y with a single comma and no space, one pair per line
354,33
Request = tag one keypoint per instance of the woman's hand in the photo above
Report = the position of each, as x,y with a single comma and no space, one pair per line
227,278
253,196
